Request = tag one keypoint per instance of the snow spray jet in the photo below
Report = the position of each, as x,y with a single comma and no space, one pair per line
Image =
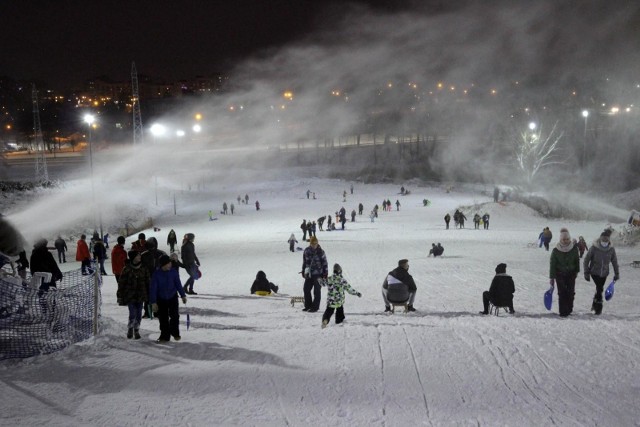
418,64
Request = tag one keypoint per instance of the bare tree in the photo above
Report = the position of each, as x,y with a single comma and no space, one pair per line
535,150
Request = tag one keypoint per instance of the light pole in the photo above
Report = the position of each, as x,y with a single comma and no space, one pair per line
90,120
585,114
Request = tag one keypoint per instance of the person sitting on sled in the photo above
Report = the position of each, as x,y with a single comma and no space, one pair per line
261,286
500,293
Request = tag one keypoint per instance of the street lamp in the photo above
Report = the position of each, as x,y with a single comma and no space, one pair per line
90,120
532,126
585,114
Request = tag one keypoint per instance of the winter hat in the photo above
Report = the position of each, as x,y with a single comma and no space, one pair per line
606,232
132,255
564,233
261,275
403,262
190,236
337,269
501,268
313,240
604,236
121,240
164,260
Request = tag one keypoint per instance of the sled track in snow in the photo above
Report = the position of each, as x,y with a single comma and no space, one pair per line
415,366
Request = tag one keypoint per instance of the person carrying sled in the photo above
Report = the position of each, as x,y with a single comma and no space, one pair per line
336,286
43,261
262,286
133,291
163,296
292,242
564,266
500,293
399,286
314,267
485,220
596,267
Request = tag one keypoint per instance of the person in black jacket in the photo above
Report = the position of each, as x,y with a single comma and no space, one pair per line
61,246
262,286
399,286
42,261
501,291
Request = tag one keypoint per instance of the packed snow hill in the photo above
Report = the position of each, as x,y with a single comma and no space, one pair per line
257,360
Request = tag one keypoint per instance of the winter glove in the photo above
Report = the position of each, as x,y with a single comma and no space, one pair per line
359,295
616,277
552,282
587,277
154,307
184,300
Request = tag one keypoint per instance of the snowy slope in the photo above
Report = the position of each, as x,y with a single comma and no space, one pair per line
250,360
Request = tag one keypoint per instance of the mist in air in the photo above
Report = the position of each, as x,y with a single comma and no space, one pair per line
465,76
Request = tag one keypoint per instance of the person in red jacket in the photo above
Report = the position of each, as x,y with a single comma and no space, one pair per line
118,258
83,255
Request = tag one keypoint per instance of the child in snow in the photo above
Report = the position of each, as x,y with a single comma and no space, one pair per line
262,286
336,285
163,296
292,242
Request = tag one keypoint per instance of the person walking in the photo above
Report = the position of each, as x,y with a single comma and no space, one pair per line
224,208
596,267
582,246
232,208
172,239
314,267
336,287
485,220
447,218
303,227
163,296
83,255
118,258
292,242
133,291
190,261
99,252
61,247
564,266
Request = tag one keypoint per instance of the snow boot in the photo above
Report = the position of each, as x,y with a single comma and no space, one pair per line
130,333
387,308
136,334
275,289
410,307
325,322
596,307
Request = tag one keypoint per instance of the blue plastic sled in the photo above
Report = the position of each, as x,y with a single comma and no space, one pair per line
608,294
548,298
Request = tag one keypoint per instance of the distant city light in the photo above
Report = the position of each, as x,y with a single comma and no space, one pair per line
614,110
585,113
532,125
89,119
196,128
180,132
198,116
288,95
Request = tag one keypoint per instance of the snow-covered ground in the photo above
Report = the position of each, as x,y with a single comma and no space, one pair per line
249,360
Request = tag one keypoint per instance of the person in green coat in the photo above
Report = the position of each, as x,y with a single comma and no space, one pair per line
564,268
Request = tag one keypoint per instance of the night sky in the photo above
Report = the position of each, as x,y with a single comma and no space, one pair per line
66,42
63,43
